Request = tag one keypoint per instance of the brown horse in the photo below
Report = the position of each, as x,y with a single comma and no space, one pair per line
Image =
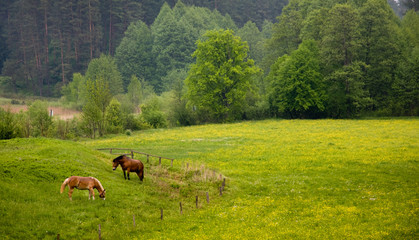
130,165
83,183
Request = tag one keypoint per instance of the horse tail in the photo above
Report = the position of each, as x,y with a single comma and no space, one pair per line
64,184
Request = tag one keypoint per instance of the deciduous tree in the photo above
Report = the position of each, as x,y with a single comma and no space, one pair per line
219,80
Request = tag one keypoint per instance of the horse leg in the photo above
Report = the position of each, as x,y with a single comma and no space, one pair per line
91,193
128,173
70,193
140,175
124,174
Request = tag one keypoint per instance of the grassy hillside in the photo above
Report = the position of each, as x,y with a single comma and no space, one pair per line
326,179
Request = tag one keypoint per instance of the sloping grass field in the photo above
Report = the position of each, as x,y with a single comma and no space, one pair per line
285,179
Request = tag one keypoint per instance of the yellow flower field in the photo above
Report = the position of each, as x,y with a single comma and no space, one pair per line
295,179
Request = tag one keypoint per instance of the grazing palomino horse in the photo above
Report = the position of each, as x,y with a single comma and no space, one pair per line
83,183
130,165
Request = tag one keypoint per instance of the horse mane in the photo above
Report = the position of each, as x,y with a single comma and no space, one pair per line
100,185
119,158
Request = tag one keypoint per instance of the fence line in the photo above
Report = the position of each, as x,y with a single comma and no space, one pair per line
132,154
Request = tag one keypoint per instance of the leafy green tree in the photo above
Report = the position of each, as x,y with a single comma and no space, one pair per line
114,117
152,114
9,127
219,80
406,84
298,90
39,118
313,24
133,56
285,33
254,38
94,110
106,69
346,91
380,49
74,91
340,36
173,42
135,92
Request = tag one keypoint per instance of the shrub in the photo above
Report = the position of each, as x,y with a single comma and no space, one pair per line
8,125
152,114
39,118
114,117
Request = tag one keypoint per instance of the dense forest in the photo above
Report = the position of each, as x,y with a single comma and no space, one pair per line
44,42
215,61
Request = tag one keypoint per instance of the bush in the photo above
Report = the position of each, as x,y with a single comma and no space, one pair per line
114,117
134,122
8,125
39,118
152,114
156,119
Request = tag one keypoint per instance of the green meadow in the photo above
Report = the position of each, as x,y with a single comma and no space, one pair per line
285,179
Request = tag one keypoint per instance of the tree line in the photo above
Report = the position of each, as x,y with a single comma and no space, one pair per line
194,65
43,42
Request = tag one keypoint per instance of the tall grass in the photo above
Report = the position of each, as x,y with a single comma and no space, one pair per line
326,179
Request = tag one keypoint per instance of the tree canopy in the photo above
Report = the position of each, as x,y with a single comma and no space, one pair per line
219,80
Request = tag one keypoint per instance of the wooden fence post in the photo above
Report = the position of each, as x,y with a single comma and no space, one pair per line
207,197
196,201
180,206
171,164
100,233
58,236
147,157
132,154
159,160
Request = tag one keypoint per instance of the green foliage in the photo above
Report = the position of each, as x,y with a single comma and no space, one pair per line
67,129
114,117
40,121
347,95
340,36
133,56
254,38
135,91
98,98
298,90
9,127
405,87
106,69
380,49
285,33
151,113
75,91
219,80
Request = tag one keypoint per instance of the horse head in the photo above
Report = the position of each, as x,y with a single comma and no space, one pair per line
102,194
115,164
